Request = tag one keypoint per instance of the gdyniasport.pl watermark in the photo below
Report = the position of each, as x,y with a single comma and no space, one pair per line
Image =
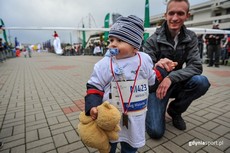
205,143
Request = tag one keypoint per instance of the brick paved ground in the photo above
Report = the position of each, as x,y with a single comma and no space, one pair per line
41,98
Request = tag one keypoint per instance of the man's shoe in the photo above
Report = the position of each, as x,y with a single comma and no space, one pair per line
1,145
178,121
209,66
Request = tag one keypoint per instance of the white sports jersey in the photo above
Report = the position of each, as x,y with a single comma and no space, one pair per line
102,78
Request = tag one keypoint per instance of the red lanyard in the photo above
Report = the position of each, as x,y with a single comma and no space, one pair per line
118,87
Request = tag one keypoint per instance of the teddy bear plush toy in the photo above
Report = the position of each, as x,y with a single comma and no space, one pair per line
97,133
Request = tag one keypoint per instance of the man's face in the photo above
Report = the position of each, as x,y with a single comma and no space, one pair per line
176,15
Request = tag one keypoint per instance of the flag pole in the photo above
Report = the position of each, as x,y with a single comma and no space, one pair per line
4,31
106,25
146,19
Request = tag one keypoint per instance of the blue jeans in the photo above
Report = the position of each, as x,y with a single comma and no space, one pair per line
224,53
183,92
125,148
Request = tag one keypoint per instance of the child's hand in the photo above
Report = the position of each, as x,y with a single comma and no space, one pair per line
93,113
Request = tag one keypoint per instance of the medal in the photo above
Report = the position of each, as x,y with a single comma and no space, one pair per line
125,120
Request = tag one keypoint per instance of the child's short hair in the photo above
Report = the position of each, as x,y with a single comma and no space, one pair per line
129,29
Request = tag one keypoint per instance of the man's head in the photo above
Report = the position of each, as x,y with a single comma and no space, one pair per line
126,34
177,12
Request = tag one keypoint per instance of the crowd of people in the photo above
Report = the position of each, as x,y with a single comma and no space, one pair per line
72,50
217,48
9,51
213,48
96,48
6,51
27,51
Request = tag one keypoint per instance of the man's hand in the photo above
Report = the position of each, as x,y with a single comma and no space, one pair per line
93,113
163,88
167,64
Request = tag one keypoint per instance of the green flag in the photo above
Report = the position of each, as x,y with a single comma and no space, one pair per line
83,38
106,25
147,18
4,31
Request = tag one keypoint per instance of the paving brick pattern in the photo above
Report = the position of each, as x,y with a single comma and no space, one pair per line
41,98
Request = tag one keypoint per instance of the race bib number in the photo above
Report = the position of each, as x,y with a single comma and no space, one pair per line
138,103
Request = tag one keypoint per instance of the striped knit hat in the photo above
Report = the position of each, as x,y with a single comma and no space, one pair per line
129,29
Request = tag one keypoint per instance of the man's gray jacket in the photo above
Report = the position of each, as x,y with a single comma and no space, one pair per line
161,45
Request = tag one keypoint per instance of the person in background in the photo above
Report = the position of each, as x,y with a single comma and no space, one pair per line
228,48
29,50
55,34
201,45
1,51
173,42
18,52
24,52
214,47
97,49
224,50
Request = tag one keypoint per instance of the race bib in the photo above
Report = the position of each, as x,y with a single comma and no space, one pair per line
138,103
